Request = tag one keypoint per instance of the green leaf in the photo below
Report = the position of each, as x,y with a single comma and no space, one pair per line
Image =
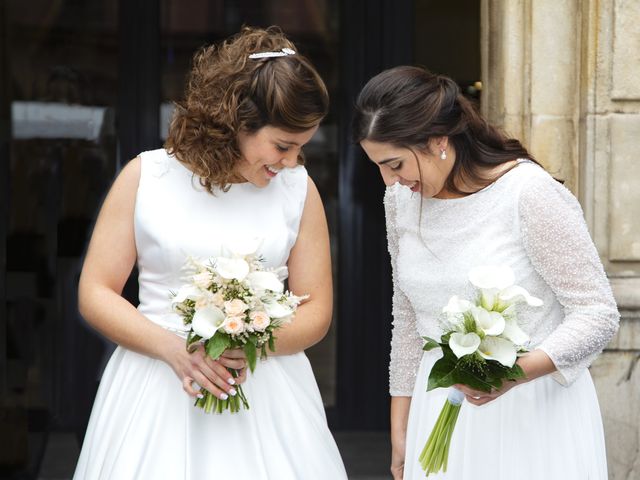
441,372
430,344
251,354
470,379
216,345
272,343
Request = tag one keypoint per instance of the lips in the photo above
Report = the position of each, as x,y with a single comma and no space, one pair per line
414,187
271,172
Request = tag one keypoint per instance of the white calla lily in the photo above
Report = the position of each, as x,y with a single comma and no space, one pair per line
491,323
515,293
261,281
232,268
457,306
464,344
207,321
489,277
282,273
499,349
187,291
513,332
277,310
244,246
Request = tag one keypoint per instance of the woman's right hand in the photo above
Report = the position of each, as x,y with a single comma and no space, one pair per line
399,416
198,367
397,461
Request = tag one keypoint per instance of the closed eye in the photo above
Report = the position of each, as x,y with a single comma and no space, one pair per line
282,148
397,166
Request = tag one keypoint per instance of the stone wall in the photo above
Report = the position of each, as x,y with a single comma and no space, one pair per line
564,76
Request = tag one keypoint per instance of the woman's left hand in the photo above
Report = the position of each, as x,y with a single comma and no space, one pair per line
478,397
534,364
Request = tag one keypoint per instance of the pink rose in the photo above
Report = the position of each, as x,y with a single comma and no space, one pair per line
235,307
259,321
202,280
233,325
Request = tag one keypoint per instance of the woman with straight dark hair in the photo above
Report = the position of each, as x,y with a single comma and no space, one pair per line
460,194
231,170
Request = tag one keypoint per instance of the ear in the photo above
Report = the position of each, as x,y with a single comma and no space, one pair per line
441,142
435,145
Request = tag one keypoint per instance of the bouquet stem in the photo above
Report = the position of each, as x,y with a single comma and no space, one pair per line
435,454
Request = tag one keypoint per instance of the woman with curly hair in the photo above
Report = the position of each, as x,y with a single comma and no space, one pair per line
231,168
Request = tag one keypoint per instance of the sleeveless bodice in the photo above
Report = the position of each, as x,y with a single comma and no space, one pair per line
175,217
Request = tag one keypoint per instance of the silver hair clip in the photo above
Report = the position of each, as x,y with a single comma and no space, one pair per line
282,53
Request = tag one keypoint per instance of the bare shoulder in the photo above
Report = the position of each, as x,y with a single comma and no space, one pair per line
129,176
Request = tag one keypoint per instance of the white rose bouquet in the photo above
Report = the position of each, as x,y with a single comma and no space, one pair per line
480,347
233,302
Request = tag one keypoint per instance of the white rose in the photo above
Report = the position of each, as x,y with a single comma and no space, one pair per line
202,280
203,302
235,307
259,321
217,299
233,325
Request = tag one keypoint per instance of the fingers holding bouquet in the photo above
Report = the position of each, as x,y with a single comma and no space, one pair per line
199,370
479,397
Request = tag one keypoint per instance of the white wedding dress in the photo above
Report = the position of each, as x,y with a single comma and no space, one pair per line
143,425
549,428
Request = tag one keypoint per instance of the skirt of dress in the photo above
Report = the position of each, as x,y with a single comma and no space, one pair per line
144,426
538,430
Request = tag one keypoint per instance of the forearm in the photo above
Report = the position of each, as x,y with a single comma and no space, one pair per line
399,418
310,325
118,320
535,364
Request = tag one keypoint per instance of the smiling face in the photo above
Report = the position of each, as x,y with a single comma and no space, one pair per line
398,165
267,151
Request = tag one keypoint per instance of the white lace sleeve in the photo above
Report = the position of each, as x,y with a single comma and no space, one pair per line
560,248
406,343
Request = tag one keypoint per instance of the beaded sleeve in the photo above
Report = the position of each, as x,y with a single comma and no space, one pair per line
558,244
406,343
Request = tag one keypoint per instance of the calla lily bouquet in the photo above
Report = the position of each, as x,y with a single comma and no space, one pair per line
480,347
233,302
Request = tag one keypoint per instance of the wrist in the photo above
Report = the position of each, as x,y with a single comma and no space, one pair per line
534,364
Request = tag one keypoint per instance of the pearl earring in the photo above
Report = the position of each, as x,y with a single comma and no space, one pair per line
443,155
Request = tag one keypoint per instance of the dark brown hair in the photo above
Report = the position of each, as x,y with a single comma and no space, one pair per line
407,106
229,92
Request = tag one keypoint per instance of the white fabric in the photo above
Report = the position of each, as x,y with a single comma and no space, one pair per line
143,425
531,223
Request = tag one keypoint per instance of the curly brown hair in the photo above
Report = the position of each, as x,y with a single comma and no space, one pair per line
227,92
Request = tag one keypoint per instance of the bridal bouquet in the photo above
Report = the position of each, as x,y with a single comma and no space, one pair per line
480,347
233,302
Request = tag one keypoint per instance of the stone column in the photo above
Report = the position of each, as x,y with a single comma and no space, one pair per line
564,76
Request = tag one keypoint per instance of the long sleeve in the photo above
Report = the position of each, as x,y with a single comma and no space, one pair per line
560,248
406,343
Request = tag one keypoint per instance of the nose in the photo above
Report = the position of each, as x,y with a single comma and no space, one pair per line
388,177
291,159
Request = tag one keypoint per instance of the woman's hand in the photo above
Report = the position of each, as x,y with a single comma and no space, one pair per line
399,416
198,367
534,364
397,461
478,397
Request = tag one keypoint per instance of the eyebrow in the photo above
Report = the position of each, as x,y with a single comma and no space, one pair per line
387,160
288,142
